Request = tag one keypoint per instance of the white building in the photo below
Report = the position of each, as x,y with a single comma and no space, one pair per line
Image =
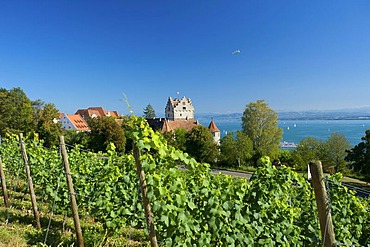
179,109
73,122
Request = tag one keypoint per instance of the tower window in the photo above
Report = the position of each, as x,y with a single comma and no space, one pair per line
184,108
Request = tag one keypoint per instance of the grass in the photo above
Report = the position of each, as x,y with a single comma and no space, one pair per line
17,228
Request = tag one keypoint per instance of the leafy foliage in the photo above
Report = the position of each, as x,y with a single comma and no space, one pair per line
236,151
351,214
176,138
359,156
105,130
200,144
191,207
16,113
307,150
48,130
331,152
260,123
149,112
334,152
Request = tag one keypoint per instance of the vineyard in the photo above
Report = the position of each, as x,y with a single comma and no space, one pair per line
190,207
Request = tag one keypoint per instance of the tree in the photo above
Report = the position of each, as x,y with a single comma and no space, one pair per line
16,113
200,145
308,149
176,138
228,150
285,157
334,152
48,130
105,130
236,151
149,112
260,123
73,137
359,156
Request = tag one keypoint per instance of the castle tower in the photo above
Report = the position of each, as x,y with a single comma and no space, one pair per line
179,109
215,132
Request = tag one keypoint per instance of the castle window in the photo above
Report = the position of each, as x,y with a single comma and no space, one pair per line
184,108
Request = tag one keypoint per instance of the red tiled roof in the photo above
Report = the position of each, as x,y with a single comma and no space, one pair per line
78,122
165,125
212,127
188,125
97,111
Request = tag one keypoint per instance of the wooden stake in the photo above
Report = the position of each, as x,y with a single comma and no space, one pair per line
144,190
30,183
3,185
326,223
72,197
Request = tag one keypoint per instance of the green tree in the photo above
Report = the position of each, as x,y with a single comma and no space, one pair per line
73,137
105,130
176,138
47,127
236,151
16,113
149,112
260,123
228,147
308,149
285,157
200,145
359,156
334,152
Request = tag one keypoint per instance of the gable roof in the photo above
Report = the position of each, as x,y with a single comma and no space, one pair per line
78,122
96,112
165,125
187,125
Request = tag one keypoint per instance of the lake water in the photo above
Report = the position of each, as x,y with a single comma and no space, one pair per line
296,130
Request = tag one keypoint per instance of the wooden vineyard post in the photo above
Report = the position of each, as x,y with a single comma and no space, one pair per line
147,207
30,183
323,207
72,197
3,185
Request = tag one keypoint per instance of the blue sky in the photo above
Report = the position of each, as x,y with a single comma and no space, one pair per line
295,55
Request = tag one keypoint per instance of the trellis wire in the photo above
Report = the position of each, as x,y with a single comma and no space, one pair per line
357,189
52,211
329,181
15,190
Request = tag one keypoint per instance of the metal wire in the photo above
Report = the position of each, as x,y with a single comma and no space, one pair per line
52,211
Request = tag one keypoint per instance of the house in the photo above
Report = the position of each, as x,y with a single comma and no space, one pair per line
73,122
94,112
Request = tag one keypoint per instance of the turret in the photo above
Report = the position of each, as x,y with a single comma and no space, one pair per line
215,132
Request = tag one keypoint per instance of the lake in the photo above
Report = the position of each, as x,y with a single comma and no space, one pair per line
296,130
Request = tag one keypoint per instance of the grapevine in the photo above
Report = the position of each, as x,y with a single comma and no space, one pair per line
191,206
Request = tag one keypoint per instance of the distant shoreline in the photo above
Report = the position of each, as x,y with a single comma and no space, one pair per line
282,116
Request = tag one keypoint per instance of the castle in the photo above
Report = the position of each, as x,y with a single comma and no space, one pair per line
179,113
182,109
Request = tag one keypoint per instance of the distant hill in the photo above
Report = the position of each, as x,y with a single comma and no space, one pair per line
346,114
